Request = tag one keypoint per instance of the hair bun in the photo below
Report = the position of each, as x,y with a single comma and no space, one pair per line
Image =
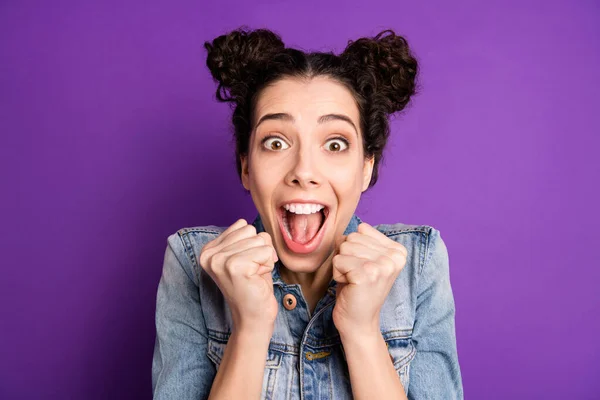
384,69
233,59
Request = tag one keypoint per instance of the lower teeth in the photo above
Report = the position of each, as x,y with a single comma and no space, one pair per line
286,226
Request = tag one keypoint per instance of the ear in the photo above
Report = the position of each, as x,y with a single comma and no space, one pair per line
245,179
367,172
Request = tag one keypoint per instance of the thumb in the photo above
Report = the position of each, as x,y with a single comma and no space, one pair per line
268,277
338,241
264,268
266,265
337,276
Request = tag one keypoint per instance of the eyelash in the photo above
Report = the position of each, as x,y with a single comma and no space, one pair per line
343,139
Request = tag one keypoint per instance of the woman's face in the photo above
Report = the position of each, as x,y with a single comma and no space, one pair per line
306,147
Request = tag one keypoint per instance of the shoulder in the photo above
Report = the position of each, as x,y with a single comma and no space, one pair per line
194,238
402,228
187,243
419,239
407,232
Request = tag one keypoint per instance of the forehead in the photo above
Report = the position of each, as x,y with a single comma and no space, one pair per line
307,98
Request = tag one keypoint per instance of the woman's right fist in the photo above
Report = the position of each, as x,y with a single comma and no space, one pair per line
240,262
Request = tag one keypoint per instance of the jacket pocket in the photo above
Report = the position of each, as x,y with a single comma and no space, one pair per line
216,349
402,351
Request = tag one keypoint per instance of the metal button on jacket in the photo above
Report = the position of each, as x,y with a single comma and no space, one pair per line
289,301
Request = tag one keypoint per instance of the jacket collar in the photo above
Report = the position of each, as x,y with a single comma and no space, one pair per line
352,227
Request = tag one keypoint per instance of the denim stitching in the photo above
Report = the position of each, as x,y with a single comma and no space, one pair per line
189,251
407,357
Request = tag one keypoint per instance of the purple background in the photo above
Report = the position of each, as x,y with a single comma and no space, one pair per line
112,140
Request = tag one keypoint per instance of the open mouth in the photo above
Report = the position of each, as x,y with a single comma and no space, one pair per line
302,233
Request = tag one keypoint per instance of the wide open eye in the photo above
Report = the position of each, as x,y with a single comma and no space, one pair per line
336,144
275,143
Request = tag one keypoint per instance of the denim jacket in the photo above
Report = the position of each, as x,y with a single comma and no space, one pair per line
305,359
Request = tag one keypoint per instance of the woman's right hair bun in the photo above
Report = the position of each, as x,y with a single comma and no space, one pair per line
234,58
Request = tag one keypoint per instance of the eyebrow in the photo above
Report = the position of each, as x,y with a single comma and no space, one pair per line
322,119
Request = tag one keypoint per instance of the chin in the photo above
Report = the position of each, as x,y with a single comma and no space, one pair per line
302,265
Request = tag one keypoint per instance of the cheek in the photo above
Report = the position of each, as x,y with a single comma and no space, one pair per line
345,179
262,175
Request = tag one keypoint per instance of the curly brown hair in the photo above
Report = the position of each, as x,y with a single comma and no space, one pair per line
380,72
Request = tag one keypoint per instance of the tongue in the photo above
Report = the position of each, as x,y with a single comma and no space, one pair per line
304,227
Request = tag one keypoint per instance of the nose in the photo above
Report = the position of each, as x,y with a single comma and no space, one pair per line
304,171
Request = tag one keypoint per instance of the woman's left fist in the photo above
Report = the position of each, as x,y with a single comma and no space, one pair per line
365,267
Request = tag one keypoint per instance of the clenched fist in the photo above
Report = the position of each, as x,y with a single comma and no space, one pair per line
240,262
365,267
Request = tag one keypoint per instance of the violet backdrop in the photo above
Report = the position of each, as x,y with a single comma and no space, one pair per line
112,140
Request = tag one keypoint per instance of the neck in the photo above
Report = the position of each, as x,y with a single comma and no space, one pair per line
313,284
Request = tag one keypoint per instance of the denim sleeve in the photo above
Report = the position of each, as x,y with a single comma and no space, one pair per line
435,371
180,368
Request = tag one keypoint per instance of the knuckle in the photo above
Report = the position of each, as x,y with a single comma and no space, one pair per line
267,249
264,236
203,261
402,250
353,236
403,259
384,260
217,259
400,259
232,266
206,251
397,257
250,229
203,256
388,270
345,247
372,273
230,262
336,260
391,253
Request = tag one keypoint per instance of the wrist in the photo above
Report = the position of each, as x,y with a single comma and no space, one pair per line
253,327
256,335
359,334
350,327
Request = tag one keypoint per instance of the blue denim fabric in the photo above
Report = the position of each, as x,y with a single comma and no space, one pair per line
193,324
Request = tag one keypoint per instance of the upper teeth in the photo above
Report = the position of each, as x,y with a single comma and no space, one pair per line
297,208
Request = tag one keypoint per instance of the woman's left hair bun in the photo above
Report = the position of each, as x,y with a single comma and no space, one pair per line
234,59
384,68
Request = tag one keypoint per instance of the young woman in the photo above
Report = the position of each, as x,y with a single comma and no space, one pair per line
307,301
